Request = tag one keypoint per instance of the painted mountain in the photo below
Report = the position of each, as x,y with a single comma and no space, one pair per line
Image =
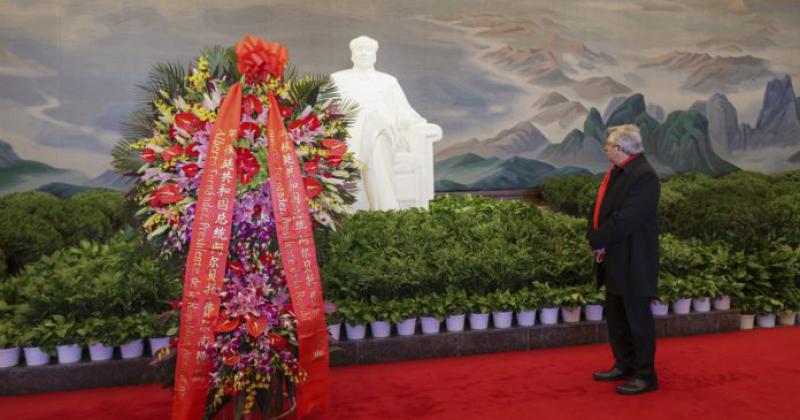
554,108
723,123
521,140
470,172
581,148
778,122
22,175
708,73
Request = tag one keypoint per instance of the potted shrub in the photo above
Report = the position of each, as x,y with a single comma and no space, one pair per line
67,337
680,291
660,305
432,313
403,313
571,300
455,305
38,343
355,315
703,288
333,318
478,312
593,311
727,288
791,302
502,304
165,328
549,312
528,301
99,334
379,325
9,349
766,308
747,311
132,331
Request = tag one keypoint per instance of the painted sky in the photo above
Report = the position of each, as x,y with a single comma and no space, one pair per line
68,68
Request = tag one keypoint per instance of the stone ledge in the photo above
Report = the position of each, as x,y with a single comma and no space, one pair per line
23,380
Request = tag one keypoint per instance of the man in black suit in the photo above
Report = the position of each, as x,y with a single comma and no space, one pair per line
623,235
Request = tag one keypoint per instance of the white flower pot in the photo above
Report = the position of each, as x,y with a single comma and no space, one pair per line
659,308
502,319
355,332
132,349
746,321
455,323
526,318
430,325
99,352
722,303
9,357
69,353
593,312
158,343
548,316
571,315
407,327
380,329
478,321
34,356
701,304
335,330
786,318
682,306
765,320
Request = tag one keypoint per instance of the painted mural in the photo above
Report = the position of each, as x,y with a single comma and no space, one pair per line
523,90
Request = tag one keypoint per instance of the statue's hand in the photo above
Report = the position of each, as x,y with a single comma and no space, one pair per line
430,132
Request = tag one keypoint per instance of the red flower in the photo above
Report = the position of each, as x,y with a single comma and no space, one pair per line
252,106
167,194
256,211
172,132
286,111
176,304
277,342
288,308
334,161
226,324
313,187
249,130
258,59
256,326
190,169
191,150
335,147
148,155
266,259
311,120
171,152
246,165
311,167
231,360
187,122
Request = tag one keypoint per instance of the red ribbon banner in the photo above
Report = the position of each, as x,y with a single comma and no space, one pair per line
206,262
296,243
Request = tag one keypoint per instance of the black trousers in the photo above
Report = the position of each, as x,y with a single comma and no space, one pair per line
632,333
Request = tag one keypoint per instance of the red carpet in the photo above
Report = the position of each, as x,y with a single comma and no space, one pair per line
743,375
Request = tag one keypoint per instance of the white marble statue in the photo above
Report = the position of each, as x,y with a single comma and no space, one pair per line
388,136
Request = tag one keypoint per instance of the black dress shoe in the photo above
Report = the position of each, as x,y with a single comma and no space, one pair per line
637,386
614,374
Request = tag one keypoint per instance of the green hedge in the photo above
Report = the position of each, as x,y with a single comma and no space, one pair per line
745,209
34,224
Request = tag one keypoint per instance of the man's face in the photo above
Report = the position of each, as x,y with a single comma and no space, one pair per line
364,57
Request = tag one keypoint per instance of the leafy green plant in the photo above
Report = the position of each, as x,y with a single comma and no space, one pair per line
9,335
703,286
355,311
502,301
570,297
455,301
432,305
768,305
101,331
134,327
479,304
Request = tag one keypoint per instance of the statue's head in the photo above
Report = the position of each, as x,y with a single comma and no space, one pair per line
364,52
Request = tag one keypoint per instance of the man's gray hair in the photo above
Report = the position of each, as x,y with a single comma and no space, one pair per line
363,42
627,137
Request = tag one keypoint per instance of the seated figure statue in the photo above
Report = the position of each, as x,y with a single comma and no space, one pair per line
392,140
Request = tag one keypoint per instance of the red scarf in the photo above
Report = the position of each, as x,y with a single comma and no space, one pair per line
602,192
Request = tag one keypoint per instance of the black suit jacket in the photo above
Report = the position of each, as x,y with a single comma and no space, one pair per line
628,230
